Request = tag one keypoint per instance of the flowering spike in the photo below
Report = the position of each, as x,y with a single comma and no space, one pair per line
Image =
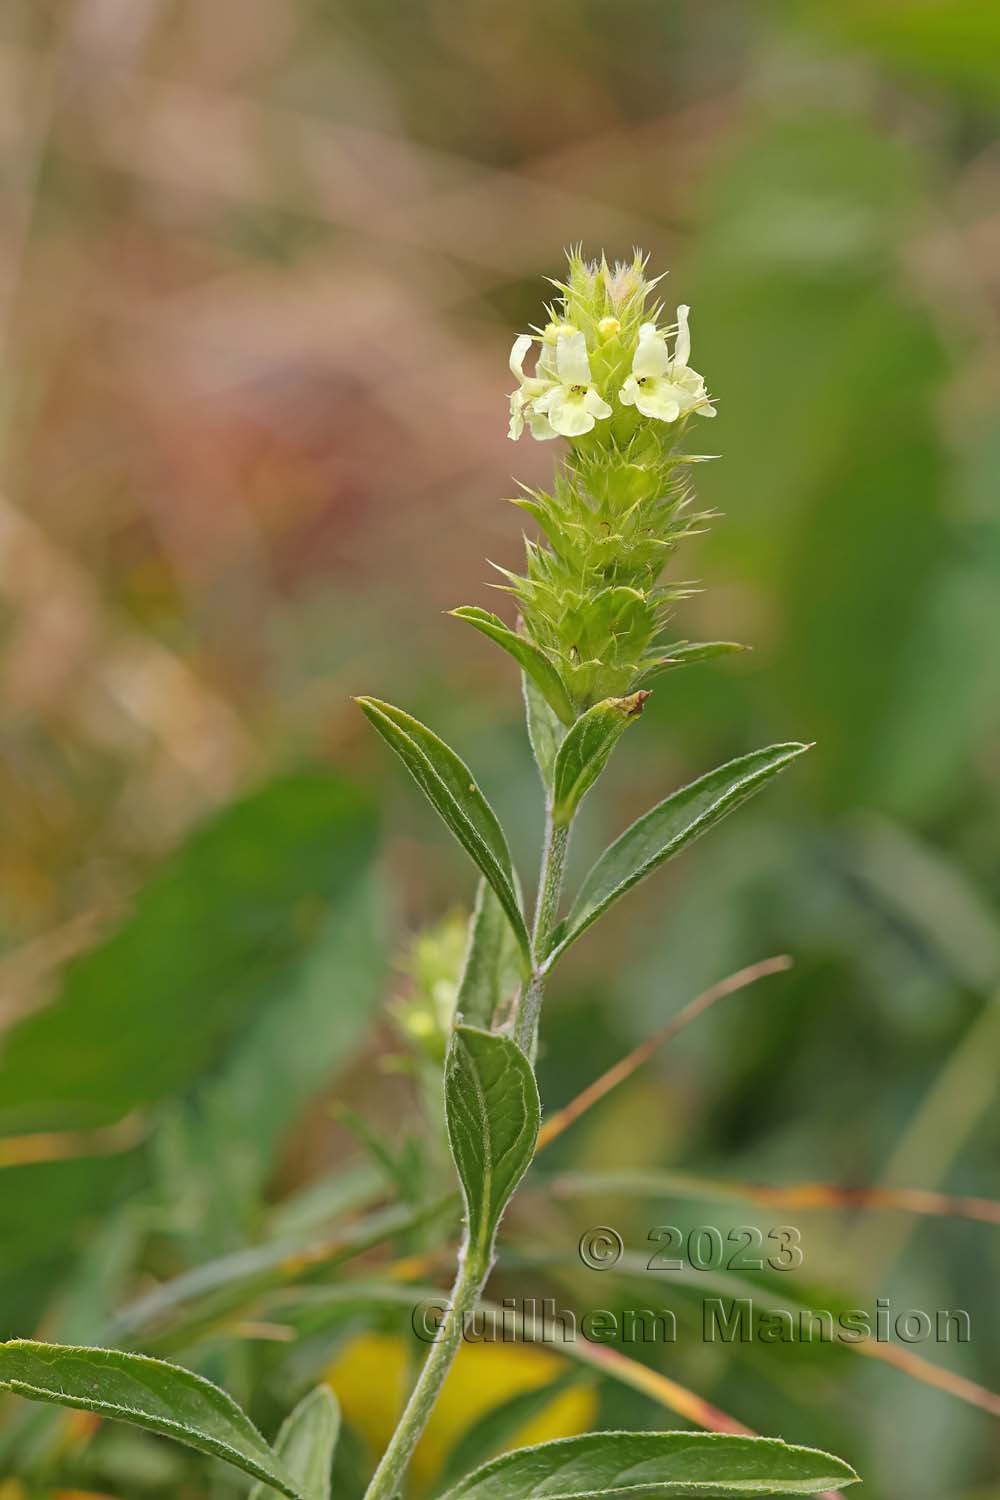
618,384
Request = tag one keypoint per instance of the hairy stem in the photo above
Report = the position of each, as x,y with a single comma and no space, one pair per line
473,1270
469,1282
550,883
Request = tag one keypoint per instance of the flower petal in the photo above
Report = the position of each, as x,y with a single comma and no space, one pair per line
545,369
651,357
629,391
596,404
568,413
516,426
521,346
659,399
682,343
571,358
541,427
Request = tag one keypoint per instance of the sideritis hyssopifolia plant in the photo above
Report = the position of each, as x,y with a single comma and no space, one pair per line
609,373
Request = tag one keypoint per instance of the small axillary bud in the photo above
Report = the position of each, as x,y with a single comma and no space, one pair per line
608,327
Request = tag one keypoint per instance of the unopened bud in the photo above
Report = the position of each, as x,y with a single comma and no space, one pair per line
608,327
551,331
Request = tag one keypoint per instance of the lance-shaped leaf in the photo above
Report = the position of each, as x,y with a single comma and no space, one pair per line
148,1393
491,970
602,1465
586,750
526,654
545,731
305,1445
493,1114
449,785
664,831
683,653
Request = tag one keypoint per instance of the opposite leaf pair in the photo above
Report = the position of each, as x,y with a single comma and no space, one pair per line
576,761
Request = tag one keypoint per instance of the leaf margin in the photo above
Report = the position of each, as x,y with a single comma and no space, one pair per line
529,657
402,733
766,1486
587,908
483,1212
277,1479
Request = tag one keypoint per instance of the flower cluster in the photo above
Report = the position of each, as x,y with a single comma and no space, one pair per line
633,365
620,387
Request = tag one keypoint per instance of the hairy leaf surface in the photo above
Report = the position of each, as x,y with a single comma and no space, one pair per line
601,1465
493,1114
149,1393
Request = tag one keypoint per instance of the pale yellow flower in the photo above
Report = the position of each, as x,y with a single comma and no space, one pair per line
662,387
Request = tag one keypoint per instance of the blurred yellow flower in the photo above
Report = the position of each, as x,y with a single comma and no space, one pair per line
371,1377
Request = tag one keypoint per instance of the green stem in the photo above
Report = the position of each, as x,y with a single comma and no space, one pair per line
550,883
474,1268
469,1283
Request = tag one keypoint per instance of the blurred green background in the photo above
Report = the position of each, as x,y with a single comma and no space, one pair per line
261,265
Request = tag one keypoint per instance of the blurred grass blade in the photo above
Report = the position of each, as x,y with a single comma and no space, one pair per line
655,1464
665,831
493,1114
587,749
526,654
305,1445
322,1306
177,1311
450,787
148,1393
491,971
803,1196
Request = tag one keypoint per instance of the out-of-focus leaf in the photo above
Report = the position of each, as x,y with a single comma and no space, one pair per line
664,831
491,971
799,264
42,1209
237,1118
958,45
149,1393
228,927
531,660
305,1445
349,1187
197,1298
493,1114
637,1464
587,749
449,786
219,932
